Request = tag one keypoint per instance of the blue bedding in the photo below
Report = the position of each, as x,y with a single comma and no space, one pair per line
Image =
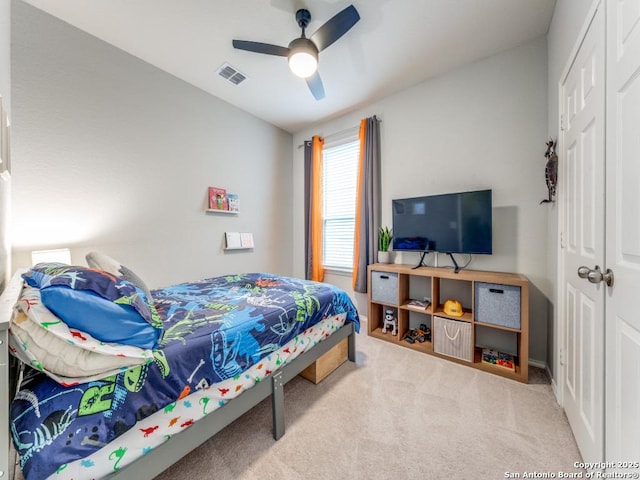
214,330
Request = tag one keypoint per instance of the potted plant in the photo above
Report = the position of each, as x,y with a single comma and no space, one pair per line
384,242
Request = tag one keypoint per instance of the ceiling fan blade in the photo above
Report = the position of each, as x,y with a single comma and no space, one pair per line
335,27
258,47
315,85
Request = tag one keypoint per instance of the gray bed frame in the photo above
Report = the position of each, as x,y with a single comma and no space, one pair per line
162,457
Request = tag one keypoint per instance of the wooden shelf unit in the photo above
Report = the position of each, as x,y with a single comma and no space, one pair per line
436,280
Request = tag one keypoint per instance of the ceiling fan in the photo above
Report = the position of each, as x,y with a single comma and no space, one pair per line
303,52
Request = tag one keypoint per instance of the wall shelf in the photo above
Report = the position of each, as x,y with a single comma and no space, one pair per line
238,241
227,212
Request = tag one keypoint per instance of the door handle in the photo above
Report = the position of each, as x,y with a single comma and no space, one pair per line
595,275
583,271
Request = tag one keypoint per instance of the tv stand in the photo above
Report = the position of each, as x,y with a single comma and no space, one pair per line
456,268
494,321
421,262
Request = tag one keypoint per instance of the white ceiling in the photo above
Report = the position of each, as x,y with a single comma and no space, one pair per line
396,44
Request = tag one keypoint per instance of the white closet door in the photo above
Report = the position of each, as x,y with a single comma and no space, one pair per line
623,232
582,158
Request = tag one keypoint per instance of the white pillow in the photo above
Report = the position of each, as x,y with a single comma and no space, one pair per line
104,262
45,342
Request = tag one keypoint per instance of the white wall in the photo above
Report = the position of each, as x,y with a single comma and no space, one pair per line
5,52
569,17
5,93
481,126
111,153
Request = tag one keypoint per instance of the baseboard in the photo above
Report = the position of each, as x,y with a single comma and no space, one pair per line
554,388
538,364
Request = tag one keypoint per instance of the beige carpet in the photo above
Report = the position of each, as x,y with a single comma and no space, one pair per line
395,413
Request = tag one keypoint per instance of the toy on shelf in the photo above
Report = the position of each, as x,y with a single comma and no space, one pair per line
500,359
390,321
453,308
421,335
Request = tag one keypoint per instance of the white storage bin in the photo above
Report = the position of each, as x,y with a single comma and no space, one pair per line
452,338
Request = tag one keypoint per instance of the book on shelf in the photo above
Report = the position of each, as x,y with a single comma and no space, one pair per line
246,240
233,240
237,240
233,202
419,303
218,198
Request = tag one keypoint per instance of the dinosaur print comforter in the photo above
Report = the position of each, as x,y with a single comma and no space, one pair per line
221,336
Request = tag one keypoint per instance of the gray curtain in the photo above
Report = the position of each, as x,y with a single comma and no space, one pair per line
369,203
308,159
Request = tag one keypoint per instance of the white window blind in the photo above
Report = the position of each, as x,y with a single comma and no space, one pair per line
340,172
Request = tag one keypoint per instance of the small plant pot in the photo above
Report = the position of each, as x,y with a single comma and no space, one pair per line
384,257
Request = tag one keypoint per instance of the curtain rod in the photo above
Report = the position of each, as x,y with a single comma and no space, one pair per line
341,132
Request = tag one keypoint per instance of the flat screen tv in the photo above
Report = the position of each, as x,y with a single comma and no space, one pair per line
448,223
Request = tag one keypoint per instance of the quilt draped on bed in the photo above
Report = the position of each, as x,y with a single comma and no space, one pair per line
214,330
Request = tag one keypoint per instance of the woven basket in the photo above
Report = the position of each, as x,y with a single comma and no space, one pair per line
452,338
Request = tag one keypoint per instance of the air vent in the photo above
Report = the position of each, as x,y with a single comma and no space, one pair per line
231,74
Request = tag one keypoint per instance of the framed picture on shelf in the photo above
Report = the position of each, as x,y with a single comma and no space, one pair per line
218,199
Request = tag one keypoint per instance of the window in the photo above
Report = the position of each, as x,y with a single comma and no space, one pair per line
340,181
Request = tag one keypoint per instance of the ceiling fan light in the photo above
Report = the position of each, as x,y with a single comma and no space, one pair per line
303,57
303,64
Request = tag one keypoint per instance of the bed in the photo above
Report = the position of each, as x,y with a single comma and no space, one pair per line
214,349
